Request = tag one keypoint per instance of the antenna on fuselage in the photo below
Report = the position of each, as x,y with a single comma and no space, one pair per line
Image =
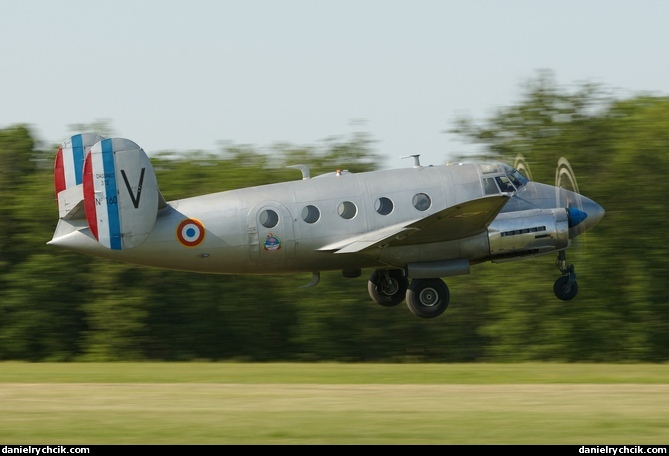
305,170
416,160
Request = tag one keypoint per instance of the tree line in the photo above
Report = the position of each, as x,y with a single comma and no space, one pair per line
61,306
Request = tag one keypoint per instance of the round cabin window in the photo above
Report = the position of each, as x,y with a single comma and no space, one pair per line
347,210
311,214
268,218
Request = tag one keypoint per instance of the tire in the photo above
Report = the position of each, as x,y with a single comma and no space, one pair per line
427,298
388,293
562,289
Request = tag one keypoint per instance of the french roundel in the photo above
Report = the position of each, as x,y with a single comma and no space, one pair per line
190,232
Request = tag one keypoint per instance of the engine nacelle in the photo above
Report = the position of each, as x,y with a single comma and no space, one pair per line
522,234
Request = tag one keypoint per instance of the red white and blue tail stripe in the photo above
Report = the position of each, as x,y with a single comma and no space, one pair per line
120,193
69,163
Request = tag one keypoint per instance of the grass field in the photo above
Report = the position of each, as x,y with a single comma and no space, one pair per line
284,403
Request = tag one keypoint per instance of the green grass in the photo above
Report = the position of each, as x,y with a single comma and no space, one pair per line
328,403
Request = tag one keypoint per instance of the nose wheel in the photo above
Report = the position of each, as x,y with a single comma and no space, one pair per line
565,287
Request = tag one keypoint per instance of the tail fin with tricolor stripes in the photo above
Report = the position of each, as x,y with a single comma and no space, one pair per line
68,171
111,183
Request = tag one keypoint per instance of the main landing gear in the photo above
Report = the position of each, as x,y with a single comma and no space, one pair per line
387,287
426,298
565,287
429,298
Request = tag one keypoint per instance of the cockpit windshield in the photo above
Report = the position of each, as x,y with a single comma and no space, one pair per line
503,178
517,178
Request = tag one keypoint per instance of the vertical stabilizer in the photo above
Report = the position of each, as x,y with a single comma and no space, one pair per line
68,171
69,163
121,194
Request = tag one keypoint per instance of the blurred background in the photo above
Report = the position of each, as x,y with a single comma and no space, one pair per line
448,80
56,305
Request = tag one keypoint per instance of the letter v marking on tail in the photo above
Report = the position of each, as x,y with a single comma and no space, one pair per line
135,201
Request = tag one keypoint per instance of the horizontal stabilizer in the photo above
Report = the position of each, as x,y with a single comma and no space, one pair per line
71,203
121,196
456,222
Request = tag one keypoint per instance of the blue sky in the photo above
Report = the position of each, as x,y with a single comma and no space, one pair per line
187,75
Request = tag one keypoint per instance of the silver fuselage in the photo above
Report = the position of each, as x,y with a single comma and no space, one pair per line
238,232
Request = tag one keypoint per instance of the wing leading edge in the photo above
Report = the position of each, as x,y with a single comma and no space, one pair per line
455,222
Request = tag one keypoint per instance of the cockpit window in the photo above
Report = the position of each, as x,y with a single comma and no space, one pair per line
505,184
489,186
508,179
522,180
490,168
514,180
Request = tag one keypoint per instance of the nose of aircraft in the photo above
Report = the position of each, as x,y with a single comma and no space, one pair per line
584,215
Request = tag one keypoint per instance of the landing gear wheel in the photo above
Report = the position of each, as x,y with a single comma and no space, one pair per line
565,288
387,287
427,298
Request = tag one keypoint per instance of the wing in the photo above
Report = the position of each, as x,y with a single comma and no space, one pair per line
455,222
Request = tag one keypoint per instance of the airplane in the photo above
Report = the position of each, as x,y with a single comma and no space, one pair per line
412,226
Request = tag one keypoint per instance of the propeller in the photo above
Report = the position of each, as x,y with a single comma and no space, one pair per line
521,165
567,195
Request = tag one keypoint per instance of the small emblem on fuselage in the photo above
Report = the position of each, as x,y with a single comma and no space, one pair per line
272,243
190,232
